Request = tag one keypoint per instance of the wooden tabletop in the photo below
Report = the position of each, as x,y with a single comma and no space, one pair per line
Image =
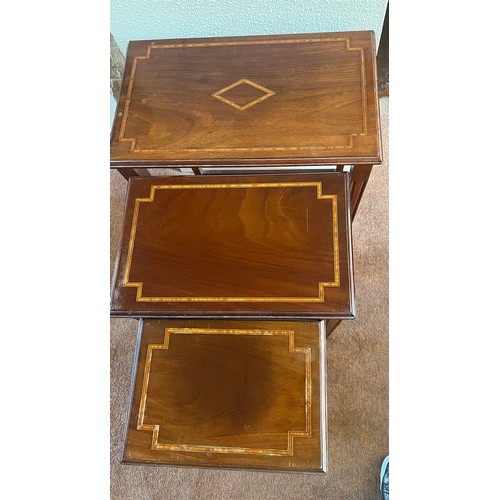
304,99
239,394
215,246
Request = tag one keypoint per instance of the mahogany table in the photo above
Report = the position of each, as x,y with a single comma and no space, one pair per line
246,247
278,102
225,393
237,277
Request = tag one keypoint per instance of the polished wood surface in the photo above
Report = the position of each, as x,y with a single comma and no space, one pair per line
210,246
238,394
304,99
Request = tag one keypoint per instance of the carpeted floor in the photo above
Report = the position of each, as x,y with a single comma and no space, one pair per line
358,377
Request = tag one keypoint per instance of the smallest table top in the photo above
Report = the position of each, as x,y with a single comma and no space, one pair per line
306,99
250,247
226,393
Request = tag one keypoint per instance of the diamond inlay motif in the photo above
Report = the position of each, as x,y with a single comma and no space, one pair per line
243,81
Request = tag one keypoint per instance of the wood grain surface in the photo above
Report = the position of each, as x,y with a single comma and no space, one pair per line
211,246
281,99
240,394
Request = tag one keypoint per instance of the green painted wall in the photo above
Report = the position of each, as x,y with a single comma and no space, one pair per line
154,19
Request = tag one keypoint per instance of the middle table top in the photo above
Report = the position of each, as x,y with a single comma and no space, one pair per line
224,246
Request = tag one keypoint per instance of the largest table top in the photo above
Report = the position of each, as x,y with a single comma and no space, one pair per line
284,99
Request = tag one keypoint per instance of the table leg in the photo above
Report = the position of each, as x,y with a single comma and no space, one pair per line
359,178
331,324
134,172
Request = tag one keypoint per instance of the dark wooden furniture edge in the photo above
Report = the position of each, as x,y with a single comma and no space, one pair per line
249,162
224,315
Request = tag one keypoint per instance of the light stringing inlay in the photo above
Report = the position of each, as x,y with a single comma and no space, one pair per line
267,93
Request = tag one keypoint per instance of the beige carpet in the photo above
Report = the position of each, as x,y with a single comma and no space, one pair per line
357,383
